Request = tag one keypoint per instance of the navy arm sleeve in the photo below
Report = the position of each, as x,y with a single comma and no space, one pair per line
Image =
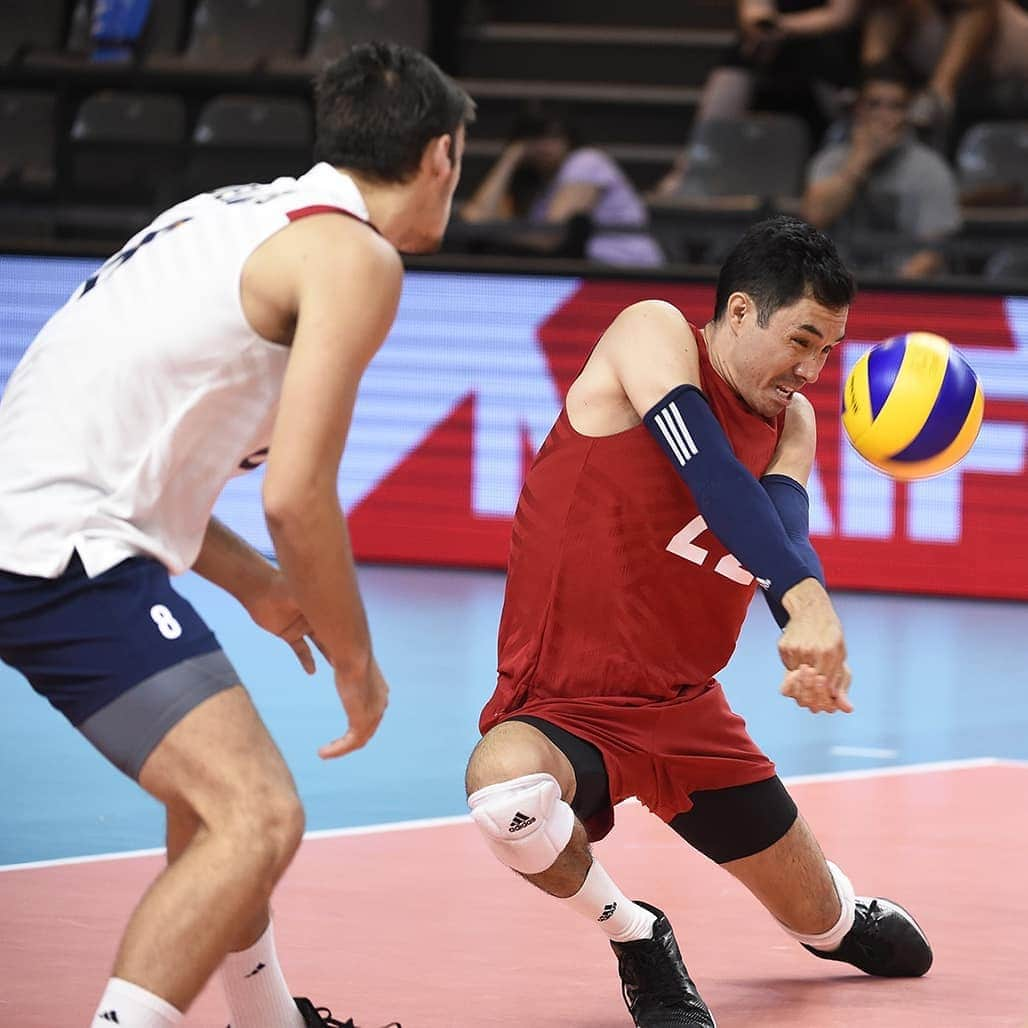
793,505
737,510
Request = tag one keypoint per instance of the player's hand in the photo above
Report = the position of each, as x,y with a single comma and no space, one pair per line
813,635
275,610
365,698
810,690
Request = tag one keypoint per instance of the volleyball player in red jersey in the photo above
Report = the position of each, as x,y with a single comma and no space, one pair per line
670,487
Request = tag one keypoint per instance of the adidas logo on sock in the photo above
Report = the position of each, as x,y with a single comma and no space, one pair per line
520,821
608,911
259,967
110,1015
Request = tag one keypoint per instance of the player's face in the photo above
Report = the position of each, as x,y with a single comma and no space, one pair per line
787,354
439,180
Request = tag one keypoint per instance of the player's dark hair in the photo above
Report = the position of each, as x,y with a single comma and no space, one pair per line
779,261
377,108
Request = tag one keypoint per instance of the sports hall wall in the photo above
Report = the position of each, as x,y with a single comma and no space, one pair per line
473,375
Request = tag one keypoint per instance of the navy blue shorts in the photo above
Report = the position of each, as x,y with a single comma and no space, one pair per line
123,656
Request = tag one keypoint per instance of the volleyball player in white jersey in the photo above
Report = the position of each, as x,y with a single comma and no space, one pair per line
235,327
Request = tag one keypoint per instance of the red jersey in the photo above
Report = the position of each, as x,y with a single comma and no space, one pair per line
616,588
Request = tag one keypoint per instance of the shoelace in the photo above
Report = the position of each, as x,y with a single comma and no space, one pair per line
654,973
872,929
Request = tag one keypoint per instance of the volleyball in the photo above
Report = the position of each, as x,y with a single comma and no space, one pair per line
912,406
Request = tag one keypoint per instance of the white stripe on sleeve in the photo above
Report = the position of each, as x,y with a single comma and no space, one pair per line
667,435
690,445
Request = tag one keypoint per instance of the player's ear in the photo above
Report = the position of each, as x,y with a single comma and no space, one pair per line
738,306
439,155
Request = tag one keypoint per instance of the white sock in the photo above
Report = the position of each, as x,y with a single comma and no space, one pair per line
256,989
130,1006
832,939
602,901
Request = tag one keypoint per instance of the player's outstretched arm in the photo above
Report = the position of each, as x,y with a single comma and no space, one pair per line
652,355
344,281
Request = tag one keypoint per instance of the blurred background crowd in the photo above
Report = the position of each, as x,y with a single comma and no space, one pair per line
638,135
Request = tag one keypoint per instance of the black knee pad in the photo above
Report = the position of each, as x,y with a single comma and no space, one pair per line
729,824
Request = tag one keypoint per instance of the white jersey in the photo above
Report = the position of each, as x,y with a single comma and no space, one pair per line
148,389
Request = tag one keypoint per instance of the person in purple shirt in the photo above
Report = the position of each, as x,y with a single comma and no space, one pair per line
544,178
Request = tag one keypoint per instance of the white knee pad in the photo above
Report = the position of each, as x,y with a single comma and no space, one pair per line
524,821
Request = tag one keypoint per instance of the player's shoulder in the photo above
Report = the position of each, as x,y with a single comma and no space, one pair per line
646,329
654,315
331,246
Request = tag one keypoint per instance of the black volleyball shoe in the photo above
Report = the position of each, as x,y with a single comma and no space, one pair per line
884,940
655,984
321,1017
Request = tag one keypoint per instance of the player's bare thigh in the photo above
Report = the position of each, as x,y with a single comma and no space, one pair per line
514,749
220,762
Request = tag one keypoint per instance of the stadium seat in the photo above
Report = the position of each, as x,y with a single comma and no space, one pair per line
992,159
27,25
127,147
160,36
1008,265
238,34
762,155
131,118
338,24
249,139
27,129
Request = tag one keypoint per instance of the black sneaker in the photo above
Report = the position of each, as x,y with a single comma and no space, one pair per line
657,988
321,1017
884,940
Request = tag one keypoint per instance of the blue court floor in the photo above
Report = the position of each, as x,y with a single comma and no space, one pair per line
934,680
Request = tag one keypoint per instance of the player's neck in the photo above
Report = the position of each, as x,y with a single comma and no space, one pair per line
716,337
392,208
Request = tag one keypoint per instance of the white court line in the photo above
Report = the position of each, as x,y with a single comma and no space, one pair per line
863,751
968,764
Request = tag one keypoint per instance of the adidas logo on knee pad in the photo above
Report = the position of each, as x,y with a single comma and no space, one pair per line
519,821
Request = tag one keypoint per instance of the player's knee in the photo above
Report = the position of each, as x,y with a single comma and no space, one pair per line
268,825
284,822
510,750
524,821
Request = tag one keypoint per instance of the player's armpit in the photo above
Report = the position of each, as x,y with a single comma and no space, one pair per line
650,350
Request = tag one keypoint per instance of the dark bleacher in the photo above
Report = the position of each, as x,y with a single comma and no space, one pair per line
628,76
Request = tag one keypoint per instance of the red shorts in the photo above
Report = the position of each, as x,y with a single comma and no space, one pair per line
658,751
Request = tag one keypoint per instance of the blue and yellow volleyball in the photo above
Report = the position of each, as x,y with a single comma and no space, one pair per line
912,406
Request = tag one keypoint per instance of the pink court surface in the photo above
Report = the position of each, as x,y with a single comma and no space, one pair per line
416,922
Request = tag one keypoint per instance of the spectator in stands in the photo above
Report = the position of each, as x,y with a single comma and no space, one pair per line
949,42
882,180
544,178
792,56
